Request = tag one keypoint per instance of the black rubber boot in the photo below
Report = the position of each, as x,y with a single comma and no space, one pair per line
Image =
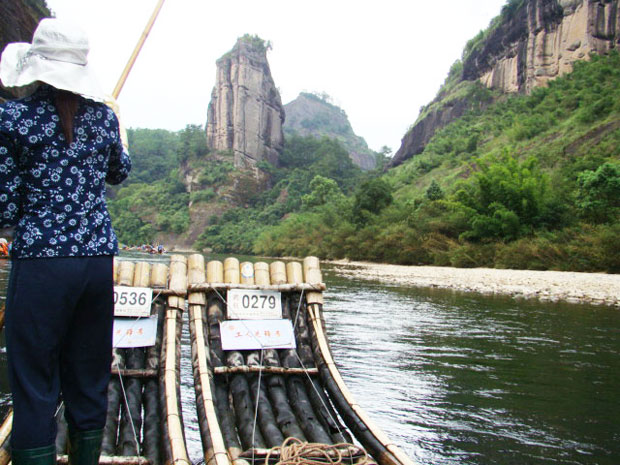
38,456
84,447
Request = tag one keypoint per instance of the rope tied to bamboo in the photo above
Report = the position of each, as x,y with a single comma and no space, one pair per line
296,452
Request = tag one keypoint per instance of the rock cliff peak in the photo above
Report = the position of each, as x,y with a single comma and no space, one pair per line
245,114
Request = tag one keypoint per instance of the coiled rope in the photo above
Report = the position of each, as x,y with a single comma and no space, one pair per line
296,452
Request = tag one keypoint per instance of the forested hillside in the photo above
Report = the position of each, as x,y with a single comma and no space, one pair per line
528,182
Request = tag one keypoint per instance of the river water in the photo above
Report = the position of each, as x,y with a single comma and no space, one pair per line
458,378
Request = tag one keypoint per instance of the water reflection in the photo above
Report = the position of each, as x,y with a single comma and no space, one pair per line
468,379
465,379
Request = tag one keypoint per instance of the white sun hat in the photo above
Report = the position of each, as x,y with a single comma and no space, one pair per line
57,56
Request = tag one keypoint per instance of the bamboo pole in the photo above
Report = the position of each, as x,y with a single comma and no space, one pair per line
62,430
170,374
371,437
126,271
110,431
131,410
143,373
268,370
5,434
261,274
299,398
142,274
132,59
123,276
151,440
277,272
159,276
239,386
215,315
112,460
2,317
246,270
231,271
258,387
213,442
209,286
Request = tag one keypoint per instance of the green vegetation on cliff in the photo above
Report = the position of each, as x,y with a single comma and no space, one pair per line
529,182
526,182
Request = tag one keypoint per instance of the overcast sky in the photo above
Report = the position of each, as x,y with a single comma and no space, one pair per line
379,60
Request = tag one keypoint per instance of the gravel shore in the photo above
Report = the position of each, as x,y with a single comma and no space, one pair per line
554,286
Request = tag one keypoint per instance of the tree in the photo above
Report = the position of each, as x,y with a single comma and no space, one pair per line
434,191
323,190
371,197
598,197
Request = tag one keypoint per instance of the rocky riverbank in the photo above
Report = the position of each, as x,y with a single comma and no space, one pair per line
554,286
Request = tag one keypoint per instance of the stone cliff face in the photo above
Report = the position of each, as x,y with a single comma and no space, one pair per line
18,20
312,115
245,114
536,42
542,41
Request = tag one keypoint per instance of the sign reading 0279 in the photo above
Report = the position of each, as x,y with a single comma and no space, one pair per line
132,301
253,304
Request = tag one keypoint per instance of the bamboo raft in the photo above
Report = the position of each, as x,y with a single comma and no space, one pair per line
249,402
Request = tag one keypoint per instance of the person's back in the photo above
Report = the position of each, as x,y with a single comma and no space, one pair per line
63,210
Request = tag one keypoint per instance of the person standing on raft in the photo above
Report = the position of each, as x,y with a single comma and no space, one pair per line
58,148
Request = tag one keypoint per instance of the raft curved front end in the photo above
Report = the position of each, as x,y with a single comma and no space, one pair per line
253,397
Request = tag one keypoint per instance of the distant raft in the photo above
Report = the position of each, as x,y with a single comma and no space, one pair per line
267,388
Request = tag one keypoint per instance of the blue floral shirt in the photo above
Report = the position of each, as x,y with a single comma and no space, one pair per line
52,191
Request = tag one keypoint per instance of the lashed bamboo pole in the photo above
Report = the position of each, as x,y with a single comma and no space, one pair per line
276,385
131,411
239,386
265,370
110,431
258,388
174,438
124,271
213,442
215,315
299,398
5,434
371,437
208,286
111,460
62,430
151,442
142,373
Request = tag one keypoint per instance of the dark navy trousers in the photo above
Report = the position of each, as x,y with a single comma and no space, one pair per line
59,317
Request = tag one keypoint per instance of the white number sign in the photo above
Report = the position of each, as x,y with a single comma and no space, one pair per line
132,301
250,304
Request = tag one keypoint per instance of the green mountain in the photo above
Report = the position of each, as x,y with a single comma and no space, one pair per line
530,181
314,115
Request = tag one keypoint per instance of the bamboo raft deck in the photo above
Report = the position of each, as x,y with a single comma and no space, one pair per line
248,401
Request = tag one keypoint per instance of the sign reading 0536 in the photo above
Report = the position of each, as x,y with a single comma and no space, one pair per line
132,301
